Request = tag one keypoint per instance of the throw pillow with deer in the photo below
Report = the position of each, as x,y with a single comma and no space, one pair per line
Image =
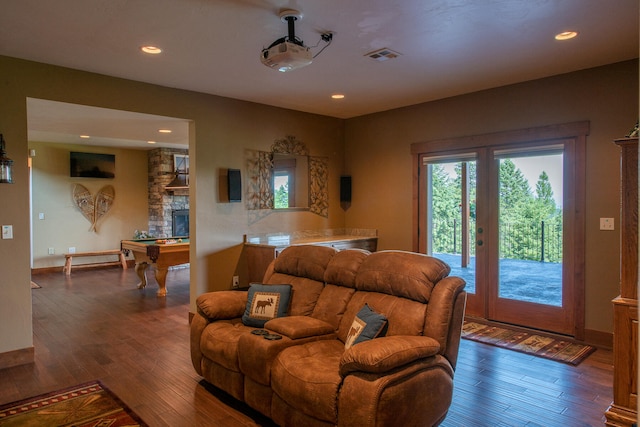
266,302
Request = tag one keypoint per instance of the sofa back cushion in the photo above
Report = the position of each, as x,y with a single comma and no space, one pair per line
404,316
332,303
404,274
303,267
340,279
344,266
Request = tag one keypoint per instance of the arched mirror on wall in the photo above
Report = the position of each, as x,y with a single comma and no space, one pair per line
287,178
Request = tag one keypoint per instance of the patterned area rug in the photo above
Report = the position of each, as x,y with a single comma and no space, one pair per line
85,405
525,342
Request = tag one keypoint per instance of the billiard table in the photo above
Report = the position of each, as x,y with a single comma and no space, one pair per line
161,253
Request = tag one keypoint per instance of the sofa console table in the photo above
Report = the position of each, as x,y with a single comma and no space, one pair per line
261,249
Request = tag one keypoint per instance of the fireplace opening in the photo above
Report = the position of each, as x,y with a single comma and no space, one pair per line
180,223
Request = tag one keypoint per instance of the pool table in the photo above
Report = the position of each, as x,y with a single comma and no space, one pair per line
162,253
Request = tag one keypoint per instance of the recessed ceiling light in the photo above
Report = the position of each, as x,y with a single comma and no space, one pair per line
164,130
85,136
337,96
566,35
151,142
153,50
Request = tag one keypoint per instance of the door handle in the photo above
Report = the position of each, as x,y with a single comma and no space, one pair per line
480,242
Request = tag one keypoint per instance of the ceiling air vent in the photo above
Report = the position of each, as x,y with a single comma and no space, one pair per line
383,54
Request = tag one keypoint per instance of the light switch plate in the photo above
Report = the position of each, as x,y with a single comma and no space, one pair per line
7,231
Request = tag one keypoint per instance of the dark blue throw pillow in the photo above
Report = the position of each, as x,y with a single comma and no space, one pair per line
266,302
367,325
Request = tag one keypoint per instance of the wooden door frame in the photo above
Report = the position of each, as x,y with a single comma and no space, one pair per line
577,131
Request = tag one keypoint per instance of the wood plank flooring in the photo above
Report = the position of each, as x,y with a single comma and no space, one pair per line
95,324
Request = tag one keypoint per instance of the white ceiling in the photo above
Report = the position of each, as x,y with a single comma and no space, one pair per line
447,47
51,121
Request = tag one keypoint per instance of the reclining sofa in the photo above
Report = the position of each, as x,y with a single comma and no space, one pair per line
309,371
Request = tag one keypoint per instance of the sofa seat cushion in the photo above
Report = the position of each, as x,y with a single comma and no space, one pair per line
307,378
296,327
219,342
257,354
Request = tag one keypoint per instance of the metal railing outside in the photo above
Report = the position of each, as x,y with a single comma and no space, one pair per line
524,240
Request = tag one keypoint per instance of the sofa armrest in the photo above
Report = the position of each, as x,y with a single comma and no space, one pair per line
386,353
297,327
222,304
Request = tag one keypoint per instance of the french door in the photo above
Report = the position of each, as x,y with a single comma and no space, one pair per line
506,213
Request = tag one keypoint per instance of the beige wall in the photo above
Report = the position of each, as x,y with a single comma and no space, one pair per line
378,157
64,225
376,154
220,131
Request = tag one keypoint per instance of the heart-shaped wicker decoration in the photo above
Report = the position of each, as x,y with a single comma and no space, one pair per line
93,209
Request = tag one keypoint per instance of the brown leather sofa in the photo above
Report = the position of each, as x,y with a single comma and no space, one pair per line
308,377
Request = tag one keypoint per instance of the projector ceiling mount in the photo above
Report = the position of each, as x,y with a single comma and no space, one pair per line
290,17
289,52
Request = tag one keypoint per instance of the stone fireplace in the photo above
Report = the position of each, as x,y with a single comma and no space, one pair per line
162,202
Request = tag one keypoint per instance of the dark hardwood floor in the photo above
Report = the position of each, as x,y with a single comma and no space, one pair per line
97,325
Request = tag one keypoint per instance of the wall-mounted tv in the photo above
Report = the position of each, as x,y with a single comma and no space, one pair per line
92,165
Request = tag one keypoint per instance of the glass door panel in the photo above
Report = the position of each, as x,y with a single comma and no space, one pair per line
450,215
529,281
530,228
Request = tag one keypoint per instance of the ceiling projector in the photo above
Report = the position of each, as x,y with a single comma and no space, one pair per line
289,52
286,56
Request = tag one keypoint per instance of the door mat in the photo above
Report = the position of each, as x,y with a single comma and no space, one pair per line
559,350
89,404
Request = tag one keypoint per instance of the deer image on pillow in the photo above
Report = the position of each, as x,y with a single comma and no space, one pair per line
367,325
266,302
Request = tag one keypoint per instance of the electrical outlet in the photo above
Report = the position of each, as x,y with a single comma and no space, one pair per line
72,249
52,251
236,282
606,224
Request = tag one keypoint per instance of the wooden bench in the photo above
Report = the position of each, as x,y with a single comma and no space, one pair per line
69,259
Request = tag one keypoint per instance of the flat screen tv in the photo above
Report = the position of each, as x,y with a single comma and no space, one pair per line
92,165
